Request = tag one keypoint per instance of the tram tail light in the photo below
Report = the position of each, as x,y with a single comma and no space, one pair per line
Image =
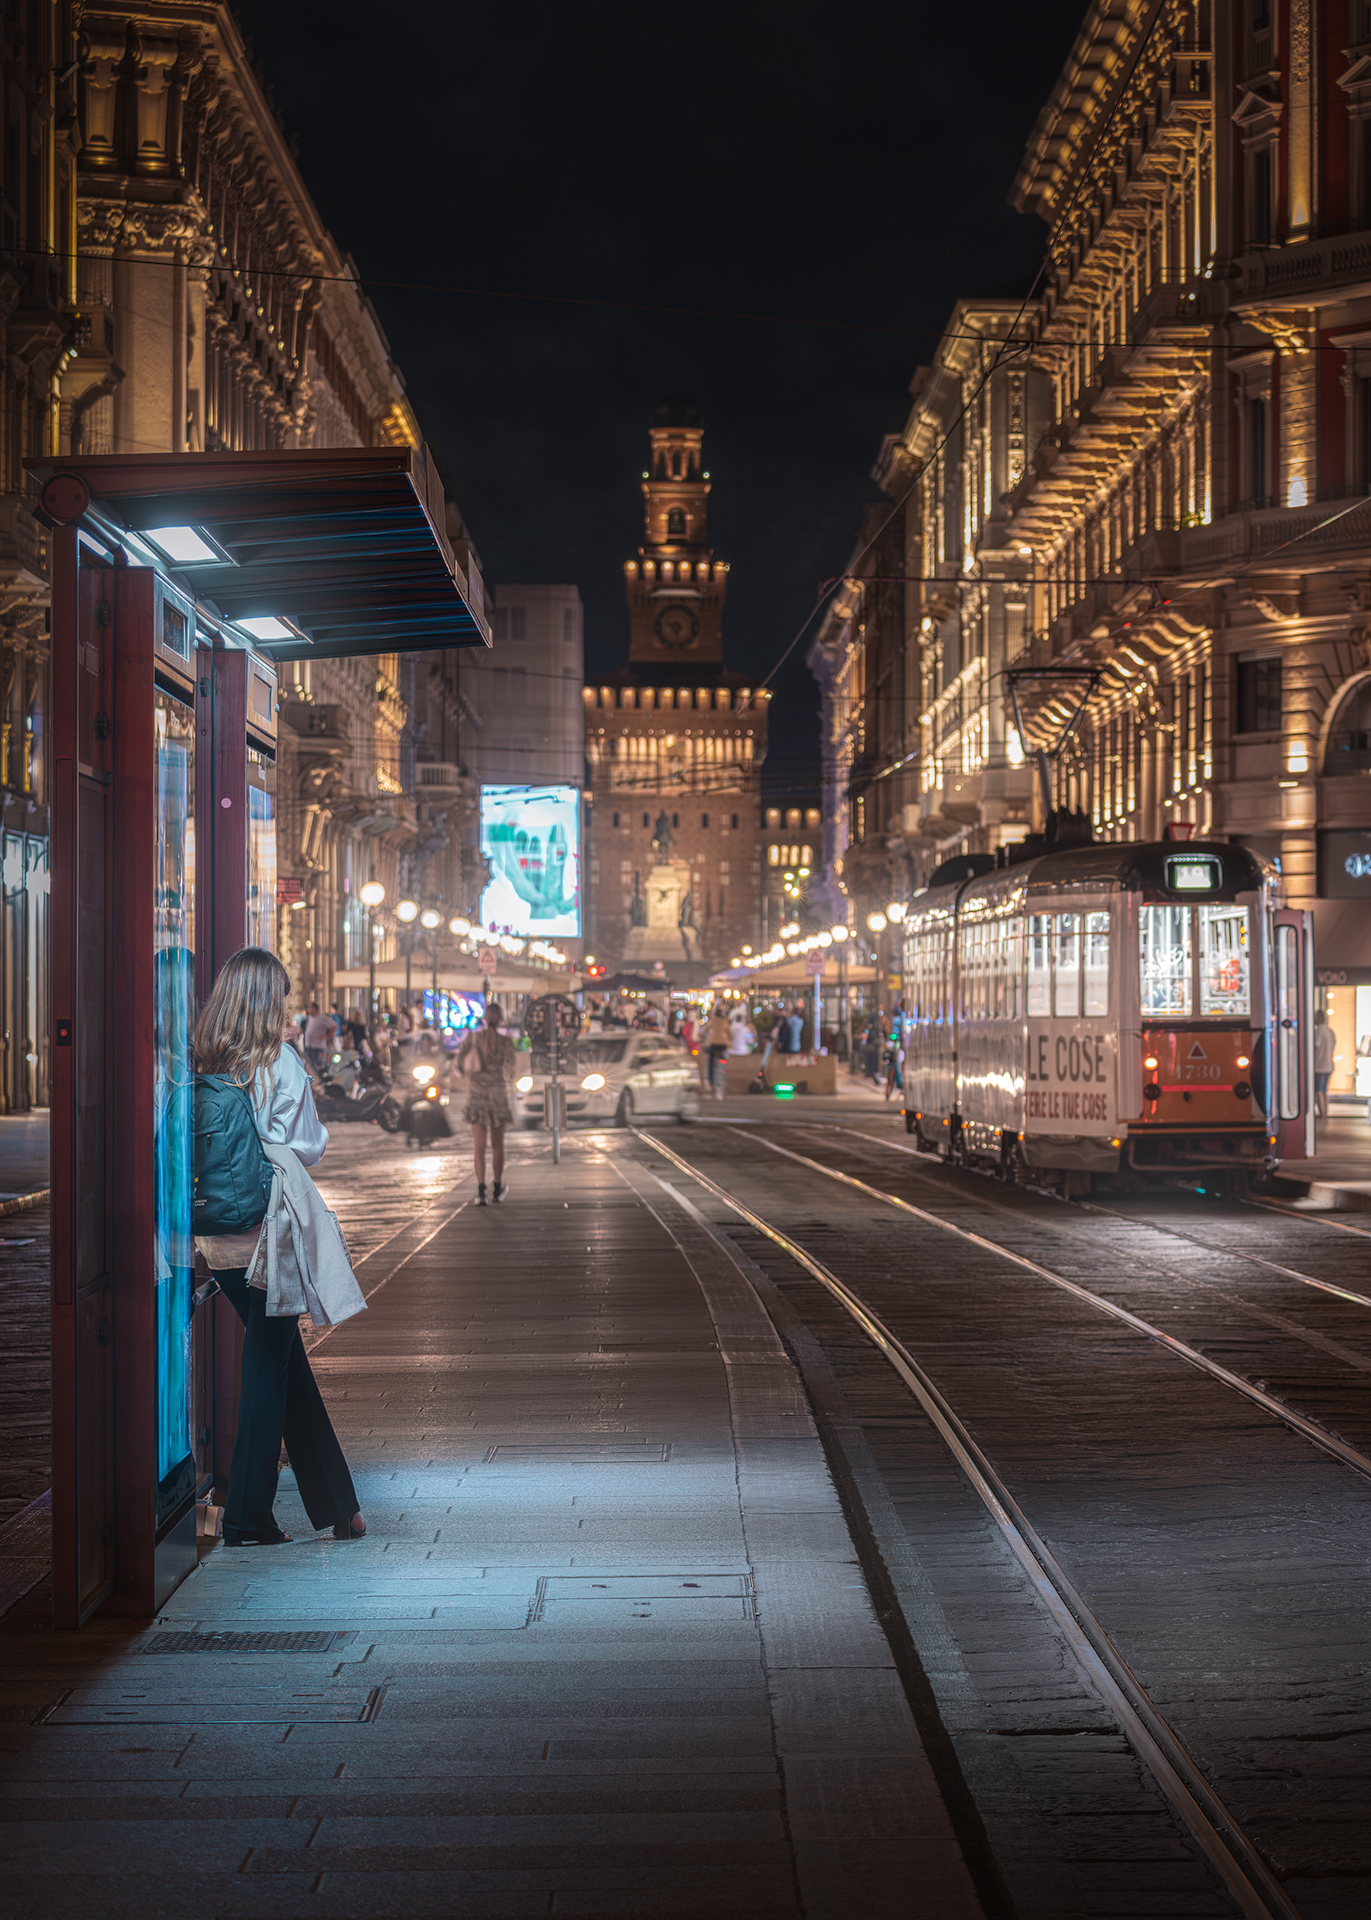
1152,1091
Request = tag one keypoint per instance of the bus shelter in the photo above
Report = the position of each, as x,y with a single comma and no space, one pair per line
179,582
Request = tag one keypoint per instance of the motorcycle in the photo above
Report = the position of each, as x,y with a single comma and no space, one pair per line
357,1089
421,1109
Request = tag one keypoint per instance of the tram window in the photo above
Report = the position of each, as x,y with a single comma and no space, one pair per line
1096,965
1225,961
1066,990
1165,958
1039,966
1013,966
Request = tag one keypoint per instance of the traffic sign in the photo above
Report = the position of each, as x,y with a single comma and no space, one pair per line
814,963
488,959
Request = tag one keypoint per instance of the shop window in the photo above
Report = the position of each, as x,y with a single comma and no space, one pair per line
1259,694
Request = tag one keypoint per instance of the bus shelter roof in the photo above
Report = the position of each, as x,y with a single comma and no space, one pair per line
300,555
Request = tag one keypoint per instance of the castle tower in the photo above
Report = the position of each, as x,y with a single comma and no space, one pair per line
676,587
674,744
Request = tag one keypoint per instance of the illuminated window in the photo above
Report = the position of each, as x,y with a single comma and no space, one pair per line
1164,940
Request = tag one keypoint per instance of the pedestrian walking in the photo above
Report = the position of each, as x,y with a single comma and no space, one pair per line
741,1038
790,1031
320,1029
716,1049
1325,1053
486,1062
239,1038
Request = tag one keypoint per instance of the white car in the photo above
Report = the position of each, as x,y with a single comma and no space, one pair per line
619,1077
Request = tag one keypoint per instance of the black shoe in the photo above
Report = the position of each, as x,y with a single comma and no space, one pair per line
481,1194
500,1191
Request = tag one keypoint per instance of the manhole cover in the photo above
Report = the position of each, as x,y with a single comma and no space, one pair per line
312,1642
618,1452
643,1596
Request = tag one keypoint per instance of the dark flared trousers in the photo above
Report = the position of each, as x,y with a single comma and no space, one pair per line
280,1400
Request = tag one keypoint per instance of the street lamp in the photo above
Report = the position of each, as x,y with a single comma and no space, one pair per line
373,893
838,935
876,922
408,911
432,919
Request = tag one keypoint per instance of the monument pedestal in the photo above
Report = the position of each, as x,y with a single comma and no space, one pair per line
662,936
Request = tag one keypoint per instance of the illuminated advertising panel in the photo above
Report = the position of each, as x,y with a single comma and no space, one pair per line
532,838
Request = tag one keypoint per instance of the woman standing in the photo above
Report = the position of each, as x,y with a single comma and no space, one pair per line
486,1061
239,1037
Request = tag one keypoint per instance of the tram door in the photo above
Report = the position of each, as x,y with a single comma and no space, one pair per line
1292,1033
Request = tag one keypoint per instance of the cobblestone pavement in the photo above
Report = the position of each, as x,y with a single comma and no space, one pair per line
605,1649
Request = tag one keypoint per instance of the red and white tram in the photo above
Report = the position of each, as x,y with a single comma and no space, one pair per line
1142,1009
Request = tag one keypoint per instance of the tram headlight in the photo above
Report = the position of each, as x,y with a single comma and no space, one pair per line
1243,1060
1151,1064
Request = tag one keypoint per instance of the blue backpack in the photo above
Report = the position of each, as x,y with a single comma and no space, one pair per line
232,1174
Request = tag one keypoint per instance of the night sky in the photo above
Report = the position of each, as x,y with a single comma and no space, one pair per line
841,174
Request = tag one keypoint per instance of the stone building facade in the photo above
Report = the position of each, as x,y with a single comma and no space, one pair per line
1168,519
674,744
1192,507
166,284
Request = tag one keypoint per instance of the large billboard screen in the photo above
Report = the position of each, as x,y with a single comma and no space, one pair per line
532,838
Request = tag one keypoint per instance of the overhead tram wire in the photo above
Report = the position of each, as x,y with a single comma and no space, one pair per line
1010,338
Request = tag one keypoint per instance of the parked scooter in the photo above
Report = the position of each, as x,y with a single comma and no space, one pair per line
356,1089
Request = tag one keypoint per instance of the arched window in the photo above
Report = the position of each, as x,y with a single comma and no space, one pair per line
675,466
1349,739
675,524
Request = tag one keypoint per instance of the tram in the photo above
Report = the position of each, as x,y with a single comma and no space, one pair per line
1136,1011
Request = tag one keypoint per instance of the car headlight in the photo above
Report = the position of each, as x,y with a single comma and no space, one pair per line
430,1093
593,1082
524,1084
423,1073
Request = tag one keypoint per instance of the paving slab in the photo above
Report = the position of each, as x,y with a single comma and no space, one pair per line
605,1649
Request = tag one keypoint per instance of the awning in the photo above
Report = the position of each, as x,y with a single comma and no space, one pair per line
464,978
793,973
344,550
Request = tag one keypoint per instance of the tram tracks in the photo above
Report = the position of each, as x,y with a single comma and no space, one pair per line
1235,1858
1226,1253
1311,1430
1252,1713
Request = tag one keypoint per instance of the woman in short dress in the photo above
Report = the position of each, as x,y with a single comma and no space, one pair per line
486,1061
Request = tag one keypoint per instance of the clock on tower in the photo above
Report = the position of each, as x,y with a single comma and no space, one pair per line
676,586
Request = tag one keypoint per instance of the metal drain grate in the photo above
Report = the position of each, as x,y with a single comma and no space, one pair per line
317,1641
562,1452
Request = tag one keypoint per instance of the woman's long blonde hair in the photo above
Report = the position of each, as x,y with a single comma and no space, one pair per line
238,1033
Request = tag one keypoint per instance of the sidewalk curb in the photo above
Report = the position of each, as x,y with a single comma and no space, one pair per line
38,1198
